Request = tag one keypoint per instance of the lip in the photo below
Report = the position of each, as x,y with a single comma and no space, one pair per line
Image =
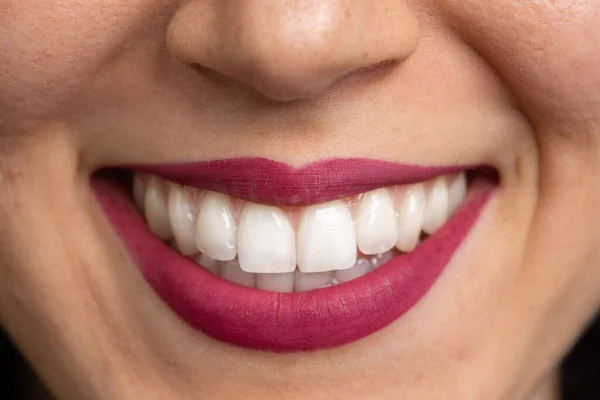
285,322
266,181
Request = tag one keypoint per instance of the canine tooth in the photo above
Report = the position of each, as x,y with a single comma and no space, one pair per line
139,191
457,193
281,282
231,271
156,209
266,240
216,232
326,238
410,217
436,207
376,230
360,268
311,281
182,220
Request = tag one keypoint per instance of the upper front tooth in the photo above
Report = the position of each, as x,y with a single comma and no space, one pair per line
216,232
376,230
457,193
182,220
155,207
436,208
266,240
410,217
326,238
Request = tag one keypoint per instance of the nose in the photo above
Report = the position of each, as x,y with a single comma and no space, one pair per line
292,49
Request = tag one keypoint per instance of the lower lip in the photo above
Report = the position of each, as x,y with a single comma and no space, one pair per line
286,322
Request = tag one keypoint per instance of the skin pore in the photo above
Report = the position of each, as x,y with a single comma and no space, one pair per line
506,83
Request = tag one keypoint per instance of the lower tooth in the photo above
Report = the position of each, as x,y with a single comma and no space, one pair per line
209,263
283,282
312,280
359,269
231,271
291,281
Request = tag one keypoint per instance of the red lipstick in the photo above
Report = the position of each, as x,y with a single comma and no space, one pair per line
288,322
266,181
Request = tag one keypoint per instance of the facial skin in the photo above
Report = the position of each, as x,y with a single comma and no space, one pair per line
513,84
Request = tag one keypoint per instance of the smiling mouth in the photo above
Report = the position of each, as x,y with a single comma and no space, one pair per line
261,255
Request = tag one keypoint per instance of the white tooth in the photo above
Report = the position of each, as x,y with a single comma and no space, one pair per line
326,238
156,210
182,220
312,281
457,192
216,233
231,271
360,268
410,217
266,240
436,208
139,191
376,230
282,282
208,263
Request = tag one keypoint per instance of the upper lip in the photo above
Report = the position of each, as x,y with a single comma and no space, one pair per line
267,181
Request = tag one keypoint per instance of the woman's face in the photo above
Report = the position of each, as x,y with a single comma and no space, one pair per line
507,84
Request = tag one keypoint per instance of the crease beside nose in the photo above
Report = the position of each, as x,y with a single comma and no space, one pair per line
292,49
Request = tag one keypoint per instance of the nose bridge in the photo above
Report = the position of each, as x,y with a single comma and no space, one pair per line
292,49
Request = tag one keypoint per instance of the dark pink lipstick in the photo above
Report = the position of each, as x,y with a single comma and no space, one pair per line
287,322
266,181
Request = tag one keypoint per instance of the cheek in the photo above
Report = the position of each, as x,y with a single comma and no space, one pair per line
52,48
547,51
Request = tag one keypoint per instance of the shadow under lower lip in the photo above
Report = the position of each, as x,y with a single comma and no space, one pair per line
286,322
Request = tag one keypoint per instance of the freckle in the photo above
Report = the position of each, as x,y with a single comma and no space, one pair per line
365,55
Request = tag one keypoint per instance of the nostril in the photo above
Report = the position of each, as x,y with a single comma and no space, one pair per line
375,66
278,93
259,88
286,51
373,71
